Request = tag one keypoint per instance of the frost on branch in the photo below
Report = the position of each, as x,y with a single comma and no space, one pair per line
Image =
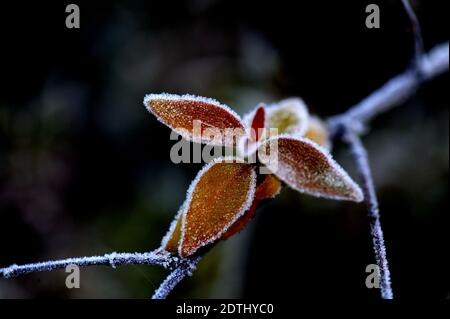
182,112
220,194
308,168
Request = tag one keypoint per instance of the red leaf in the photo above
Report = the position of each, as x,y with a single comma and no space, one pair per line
258,123
308,168
269,188
220,194
180,112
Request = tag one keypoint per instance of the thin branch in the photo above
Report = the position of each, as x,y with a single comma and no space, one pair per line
349,124
360,156
395,91
184,269
156,258
181,267
415,25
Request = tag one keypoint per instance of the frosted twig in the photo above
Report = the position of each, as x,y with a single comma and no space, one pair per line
352,122
360,155
185,268
181,267
415,25
156,257
395,91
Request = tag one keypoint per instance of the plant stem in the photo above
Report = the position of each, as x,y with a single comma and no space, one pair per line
183,270
113,259
395,91
361,158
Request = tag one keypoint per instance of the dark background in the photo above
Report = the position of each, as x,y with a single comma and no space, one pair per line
85,170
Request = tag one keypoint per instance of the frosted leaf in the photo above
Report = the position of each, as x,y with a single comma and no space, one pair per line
255,122
247,118
171,240
256,119
318,132
180,112
289,116
220,194
269,188
308,168
258,123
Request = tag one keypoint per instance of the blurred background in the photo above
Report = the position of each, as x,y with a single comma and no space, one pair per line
85,170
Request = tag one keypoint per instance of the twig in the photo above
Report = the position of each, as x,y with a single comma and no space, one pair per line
395,91
360,155
156,258
415,25
184,269
349,124
181,267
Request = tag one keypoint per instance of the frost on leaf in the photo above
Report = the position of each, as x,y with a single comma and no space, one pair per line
289,116
308,168
269,188
182,112
219,195
171,241
318,132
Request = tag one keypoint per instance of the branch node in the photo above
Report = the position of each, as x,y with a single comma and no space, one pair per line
111,257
